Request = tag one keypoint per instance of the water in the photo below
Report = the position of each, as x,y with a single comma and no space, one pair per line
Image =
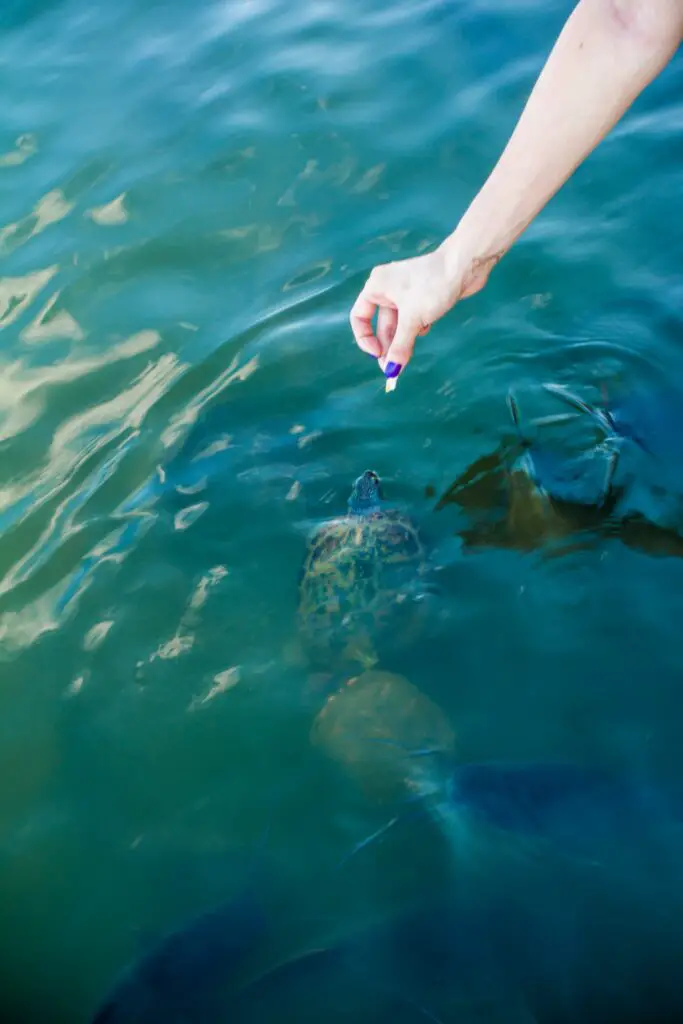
192,195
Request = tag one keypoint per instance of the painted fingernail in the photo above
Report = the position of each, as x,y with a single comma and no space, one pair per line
392,369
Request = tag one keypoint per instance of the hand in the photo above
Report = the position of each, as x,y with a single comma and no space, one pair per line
411,295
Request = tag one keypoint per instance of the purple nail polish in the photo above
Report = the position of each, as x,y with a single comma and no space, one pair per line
392,369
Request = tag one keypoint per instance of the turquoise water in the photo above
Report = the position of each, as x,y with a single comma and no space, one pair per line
192,195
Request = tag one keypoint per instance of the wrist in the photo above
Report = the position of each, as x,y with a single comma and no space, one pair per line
471,252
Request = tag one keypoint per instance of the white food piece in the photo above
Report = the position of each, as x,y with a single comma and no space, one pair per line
390,384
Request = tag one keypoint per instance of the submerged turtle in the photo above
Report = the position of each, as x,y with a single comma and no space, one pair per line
361,582
386,734
398,745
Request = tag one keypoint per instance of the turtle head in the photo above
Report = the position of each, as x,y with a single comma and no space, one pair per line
366,494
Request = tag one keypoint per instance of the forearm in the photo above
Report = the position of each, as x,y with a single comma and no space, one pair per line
606,54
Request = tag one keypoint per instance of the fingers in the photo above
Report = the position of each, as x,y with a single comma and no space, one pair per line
374,295
361,324
387,320
400,352
398,324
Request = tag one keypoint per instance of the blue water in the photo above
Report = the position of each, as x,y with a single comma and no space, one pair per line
192,195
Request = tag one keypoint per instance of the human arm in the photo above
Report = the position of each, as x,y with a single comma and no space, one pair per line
606,54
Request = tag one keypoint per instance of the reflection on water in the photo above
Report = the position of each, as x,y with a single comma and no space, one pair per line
183,231
16,294
113,212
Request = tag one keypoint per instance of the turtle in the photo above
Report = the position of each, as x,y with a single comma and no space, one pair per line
385,733
400,747
362,583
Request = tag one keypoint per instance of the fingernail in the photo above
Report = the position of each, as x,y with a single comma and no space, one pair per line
392,369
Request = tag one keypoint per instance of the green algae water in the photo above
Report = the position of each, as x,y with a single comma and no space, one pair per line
191,195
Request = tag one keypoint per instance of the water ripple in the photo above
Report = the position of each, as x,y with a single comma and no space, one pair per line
183,231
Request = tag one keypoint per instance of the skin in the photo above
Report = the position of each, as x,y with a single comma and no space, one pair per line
606,54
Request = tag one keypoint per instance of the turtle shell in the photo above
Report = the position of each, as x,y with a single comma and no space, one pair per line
358,587
383,731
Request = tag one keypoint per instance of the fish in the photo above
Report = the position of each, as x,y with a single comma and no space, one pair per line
539,950
533,496
184,975
650,418
547,946
181,977
647,425
563,801
569,480
577,809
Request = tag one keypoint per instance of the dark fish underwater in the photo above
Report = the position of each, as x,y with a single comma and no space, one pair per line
627,486
651,418
508,956
183,977
529,495
645,425
565,802
442,957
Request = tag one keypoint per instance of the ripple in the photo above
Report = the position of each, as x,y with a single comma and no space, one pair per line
184,230
223,17
122,415
111,213
234,373
22,628
17,293
61,525
96,635
308,276
51,209
49,325
222,682
26,146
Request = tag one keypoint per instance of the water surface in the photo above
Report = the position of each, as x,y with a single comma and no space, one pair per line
191,195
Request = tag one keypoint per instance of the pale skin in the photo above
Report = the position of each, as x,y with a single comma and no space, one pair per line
606,54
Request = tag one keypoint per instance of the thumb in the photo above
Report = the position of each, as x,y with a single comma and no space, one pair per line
400,351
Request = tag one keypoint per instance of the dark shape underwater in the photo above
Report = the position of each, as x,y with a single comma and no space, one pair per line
567,803
183,977
518,953
646,425
650,418
527,495
629,486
